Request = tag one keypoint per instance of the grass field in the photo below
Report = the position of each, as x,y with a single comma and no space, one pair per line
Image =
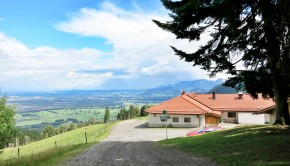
248,145
75,137
83,114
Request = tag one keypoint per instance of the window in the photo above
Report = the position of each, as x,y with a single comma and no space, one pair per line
232,115
175,119
187,120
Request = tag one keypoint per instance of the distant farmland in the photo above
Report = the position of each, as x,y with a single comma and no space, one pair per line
36,110
36,120
114,99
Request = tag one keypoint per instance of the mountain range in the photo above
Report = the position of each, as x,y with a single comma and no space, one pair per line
198,86
73,99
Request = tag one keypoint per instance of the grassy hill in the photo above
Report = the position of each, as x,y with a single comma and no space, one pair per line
52,149
249,145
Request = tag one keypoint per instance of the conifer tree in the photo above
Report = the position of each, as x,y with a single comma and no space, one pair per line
107,115
254,33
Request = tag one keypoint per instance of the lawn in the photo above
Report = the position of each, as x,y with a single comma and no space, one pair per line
247,145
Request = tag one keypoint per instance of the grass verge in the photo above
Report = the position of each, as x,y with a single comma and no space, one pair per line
48,155
248,145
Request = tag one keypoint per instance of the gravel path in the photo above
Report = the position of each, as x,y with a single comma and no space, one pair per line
131,143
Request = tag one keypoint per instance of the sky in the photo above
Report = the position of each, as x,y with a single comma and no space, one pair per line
89,44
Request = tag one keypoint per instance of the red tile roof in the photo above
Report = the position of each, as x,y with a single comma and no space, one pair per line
177,105
193,103
232,102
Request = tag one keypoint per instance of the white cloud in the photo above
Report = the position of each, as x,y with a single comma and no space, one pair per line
139,45
47,68
141,53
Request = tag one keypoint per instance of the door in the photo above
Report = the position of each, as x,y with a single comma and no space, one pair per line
209,119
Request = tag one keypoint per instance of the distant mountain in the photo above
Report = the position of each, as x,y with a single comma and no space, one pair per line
220,89
115,99
199,86
162,90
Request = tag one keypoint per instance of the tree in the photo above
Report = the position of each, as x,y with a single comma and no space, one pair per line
7,123
107,115
48,131
142,111
71,127
121,114
133,111
254,33
57,131
92,121
63,128
23,135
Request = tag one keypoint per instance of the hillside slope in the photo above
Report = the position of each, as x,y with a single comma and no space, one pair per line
73,137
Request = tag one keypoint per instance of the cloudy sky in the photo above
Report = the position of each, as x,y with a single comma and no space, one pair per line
89,44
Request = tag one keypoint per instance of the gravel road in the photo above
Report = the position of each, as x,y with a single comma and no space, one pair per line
131,143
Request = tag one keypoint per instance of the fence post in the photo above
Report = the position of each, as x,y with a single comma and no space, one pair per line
86,137
18,152
55,143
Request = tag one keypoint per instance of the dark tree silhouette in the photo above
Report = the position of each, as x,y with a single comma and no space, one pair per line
252,32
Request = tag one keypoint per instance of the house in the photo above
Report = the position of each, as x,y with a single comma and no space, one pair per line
200,110
271,112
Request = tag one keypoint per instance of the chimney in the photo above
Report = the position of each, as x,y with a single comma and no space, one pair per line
213,95
183,92
240,94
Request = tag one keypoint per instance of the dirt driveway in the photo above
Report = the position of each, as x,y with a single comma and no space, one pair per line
131,143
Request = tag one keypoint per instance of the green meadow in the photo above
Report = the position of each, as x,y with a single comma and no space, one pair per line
27,119
54,149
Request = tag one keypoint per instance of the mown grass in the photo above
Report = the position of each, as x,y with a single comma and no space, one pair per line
248,145
45,153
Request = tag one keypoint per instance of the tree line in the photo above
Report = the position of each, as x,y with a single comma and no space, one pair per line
132,112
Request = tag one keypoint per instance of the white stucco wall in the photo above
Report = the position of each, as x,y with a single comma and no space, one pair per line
249,118
267,118
227,119
202,120
195,121
272,117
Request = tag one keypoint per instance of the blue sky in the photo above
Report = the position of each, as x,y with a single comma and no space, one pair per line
85,44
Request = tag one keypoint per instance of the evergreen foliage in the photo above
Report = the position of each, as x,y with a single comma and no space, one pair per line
133,112
107,115
143,108
254,33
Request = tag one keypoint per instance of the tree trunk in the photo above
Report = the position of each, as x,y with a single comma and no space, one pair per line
273,45
285,85
280,100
